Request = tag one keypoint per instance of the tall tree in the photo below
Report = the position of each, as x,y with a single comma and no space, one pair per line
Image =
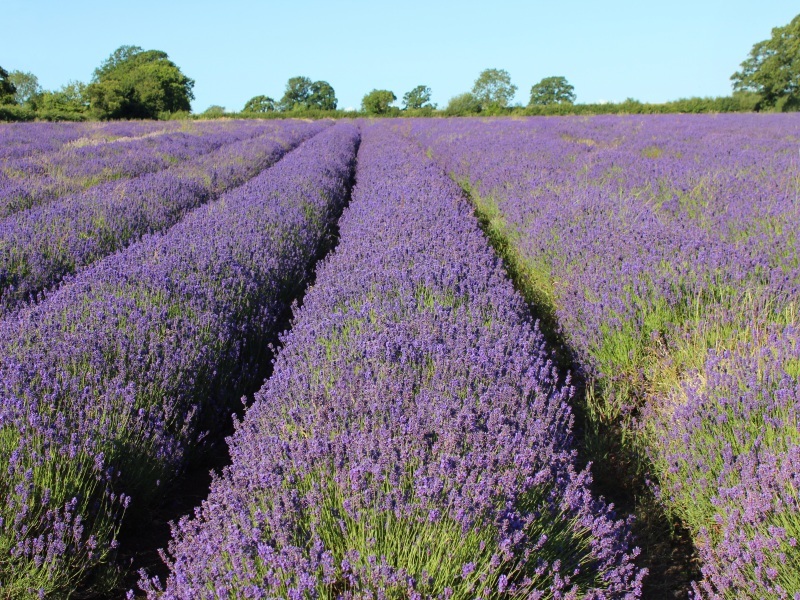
27,87
298,90
378,102
138,84
493,88
419,97
302,93
773,68
552,90
7,89
322,96
259,104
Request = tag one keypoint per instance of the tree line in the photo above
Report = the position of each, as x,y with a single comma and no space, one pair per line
133,83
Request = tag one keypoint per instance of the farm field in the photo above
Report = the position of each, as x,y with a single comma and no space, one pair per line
662,254
454,358
37,178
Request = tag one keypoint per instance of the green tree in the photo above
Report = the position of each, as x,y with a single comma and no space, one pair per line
215,110
552,90
773,68
70,98
302,93
27,87
298,90
7,89
138,84
419,97
259,104
463,104
493,88
322,96
378,102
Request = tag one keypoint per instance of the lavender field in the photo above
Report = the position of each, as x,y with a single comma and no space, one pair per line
453,358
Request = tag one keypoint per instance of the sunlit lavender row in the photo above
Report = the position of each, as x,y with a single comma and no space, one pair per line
39,178
107,385
664,251
414,440
39,246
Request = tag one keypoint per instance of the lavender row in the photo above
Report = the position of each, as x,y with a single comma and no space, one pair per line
27,139
34,180
40,246
413,440
106,385
660,245
621,214
728,458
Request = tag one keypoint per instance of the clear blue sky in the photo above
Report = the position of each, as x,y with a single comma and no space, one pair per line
609,50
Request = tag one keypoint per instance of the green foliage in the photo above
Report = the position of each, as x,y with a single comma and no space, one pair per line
322,96
493,88
773,69
138,84
70,99
425,111
462,105
552,90
181,115
738,102
788,104
12,112
378,102
309,113
303,94
28,101
298,90
419,97
215,110
259,104
27,87
7,89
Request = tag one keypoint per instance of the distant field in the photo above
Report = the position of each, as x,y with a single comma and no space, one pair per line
500,357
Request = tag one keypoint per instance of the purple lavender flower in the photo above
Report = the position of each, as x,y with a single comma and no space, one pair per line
414,437
106,385
664,249
40,246
37,177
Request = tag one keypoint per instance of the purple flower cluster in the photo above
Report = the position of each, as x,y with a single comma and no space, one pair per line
414,440
39,246
39,178
660,241
19,140
106,385
626,215
730,463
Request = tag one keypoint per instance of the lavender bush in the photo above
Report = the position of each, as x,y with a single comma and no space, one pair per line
40,246
729,460
414,440
108,384
37,179
659,245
